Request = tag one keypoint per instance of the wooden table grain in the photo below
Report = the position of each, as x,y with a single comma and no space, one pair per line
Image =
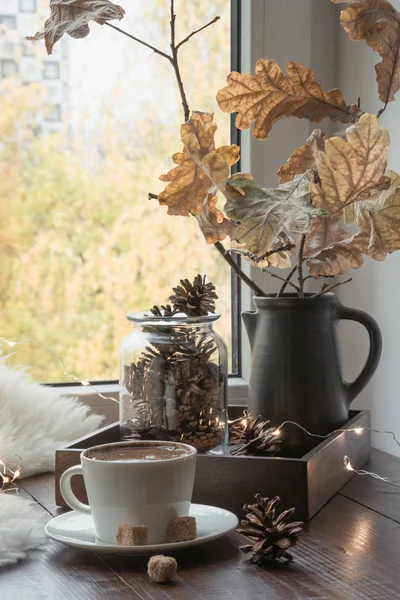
349,551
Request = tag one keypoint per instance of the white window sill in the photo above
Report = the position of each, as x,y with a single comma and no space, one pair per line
107,403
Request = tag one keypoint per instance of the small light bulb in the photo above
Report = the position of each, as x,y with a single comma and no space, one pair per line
244,422
347,464
17,473
276,432
358,430
6,479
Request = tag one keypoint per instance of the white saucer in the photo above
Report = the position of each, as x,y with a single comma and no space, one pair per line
76,529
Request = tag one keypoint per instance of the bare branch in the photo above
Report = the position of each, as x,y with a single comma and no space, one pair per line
235,267
258,259
173,59
286,281
300,265
186,39
325,289
172,23
175,64
382,110
160,52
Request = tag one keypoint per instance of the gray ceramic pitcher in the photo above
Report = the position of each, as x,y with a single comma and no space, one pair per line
295,366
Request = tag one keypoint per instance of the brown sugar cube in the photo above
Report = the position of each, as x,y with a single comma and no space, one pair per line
131,535
161,568
183,529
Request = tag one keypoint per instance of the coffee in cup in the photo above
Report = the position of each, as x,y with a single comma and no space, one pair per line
146,483
146,451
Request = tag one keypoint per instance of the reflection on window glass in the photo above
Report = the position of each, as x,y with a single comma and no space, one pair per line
8,49
8,68
9,22
27,5
81,245
53,112
51,70
28,50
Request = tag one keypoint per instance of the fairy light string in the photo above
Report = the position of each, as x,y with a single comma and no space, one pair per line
346,460
8,476
10,470
357,430
348,466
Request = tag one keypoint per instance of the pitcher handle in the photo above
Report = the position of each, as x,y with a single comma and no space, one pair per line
375,348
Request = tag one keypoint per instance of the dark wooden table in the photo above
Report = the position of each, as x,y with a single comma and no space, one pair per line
350,550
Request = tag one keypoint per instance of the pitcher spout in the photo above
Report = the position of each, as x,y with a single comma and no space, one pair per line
250,320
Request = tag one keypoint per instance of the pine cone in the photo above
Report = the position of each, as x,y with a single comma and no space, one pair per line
253,436
272,536
194,299
164,311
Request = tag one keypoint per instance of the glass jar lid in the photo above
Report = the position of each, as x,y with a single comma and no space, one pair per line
178,319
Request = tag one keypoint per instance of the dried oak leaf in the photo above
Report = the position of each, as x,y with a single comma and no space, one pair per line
188,187
278,260
332,249
302,159
378,23
270,95
197,136
214,226
379,219
351,170
73,16
264,213
191,184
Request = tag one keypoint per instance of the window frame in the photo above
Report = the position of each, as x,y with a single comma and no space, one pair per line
242,18
302,40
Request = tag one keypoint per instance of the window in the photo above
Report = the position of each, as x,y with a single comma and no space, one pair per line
51,70
8,21
89,247
8,68
52,112
27,5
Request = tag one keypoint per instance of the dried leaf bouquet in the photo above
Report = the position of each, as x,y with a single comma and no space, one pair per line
335,202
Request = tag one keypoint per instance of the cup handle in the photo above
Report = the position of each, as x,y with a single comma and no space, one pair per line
68,494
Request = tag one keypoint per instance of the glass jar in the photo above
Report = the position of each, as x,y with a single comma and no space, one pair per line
173,382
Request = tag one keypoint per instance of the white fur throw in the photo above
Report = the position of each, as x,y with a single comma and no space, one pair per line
21,527
35,420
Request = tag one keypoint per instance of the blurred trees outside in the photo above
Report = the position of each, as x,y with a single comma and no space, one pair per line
80,243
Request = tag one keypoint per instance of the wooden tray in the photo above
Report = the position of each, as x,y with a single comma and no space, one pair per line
230,481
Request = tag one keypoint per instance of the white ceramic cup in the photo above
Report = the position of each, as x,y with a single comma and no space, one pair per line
135,492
